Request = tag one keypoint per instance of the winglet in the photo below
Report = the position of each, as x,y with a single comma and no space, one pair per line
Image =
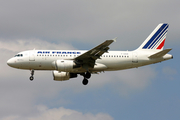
114,39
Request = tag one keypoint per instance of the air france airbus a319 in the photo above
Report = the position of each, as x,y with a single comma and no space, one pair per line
67,64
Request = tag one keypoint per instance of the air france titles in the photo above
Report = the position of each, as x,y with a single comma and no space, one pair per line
57,52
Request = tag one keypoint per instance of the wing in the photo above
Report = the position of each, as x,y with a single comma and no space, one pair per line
87,60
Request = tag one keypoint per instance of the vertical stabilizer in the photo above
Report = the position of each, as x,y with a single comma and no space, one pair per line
156,40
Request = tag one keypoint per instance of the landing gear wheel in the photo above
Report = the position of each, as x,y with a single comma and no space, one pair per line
32,73
31,78
87,75
85,81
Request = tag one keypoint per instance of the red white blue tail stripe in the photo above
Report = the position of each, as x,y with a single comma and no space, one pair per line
157,38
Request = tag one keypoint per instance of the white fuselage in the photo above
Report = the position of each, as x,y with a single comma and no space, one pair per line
113,60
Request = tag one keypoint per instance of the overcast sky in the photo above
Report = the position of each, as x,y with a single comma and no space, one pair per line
145,93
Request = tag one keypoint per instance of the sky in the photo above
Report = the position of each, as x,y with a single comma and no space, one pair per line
145,93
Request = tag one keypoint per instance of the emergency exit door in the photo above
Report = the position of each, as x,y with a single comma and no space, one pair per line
32,55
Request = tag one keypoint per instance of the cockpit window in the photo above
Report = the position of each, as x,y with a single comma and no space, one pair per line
19,55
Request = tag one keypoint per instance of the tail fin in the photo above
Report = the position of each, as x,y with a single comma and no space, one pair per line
156,40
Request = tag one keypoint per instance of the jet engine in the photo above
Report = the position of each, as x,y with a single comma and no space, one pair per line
62,76
65,65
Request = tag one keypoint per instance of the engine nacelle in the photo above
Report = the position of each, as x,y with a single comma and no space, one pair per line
62,76
65,65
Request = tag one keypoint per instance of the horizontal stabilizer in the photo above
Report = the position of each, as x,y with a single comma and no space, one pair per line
160,54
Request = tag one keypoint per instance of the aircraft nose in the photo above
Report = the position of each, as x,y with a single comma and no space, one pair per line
10,62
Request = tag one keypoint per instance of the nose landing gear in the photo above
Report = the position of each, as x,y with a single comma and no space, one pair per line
32,73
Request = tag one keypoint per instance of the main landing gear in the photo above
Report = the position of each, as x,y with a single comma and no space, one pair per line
31,77
86,77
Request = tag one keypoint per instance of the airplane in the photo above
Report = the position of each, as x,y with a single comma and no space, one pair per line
67,64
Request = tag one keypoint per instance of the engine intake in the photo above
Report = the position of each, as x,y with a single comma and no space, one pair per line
63,76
